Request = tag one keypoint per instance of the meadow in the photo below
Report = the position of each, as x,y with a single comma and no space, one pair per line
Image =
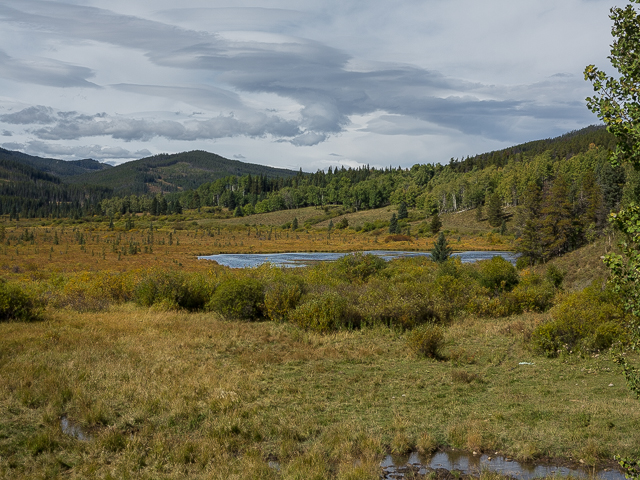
172,367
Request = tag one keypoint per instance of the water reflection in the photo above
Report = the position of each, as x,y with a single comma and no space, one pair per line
73,429
394,466
303,259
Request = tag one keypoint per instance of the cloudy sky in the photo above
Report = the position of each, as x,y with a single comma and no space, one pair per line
294,84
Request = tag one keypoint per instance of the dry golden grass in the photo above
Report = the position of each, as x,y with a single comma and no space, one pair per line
191,396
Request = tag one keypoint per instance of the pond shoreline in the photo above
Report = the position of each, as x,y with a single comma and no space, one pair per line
303,259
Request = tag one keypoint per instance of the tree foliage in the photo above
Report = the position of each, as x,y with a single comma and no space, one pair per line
617,103
441,250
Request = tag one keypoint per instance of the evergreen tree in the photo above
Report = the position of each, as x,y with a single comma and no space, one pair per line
393,224
557,228
402,211
436,224
528,225
441,251
294,224
494,210
479,213
238,212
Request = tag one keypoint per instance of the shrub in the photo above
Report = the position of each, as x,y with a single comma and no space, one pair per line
342,224
497,274
400,304
280,298
554,275
587,321
241,298
426,341
359,266
532,294
16,304
398,238
172,290
325,312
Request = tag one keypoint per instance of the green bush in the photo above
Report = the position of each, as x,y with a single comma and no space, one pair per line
554,275
584,322
358,267
497,274
400,304
241,298
532,294
426,341
281,297
325,312
172,289
17,305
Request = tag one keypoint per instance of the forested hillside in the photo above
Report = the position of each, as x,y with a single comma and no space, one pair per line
172,173
562,189
53,166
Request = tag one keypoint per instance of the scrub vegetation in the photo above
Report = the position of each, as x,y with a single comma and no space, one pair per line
172,367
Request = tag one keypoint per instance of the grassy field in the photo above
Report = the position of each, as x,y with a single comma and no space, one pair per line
169,394
165,393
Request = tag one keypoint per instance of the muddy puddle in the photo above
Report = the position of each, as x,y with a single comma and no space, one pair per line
69,427
415,466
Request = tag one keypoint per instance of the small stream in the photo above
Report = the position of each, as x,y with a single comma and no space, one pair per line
303,259
395,467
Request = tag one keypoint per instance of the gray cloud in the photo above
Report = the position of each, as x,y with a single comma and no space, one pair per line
32,115
72,127
7,133
97,152
319,78
44,72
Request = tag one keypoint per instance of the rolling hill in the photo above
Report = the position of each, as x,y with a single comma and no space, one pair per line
170,173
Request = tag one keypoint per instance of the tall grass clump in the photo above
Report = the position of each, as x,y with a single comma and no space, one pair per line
239,298
173,289
583,322
18,305
426,341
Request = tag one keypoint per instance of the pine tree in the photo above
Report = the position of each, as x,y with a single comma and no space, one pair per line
402,211
441,251
436,224
528,225
393,224
557,219
494,210
294,224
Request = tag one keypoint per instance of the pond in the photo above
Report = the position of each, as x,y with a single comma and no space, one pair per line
399,466
303,259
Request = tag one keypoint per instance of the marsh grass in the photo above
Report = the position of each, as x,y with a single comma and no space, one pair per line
164,393
192,395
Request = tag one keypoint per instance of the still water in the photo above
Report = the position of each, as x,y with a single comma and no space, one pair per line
303,259
398,466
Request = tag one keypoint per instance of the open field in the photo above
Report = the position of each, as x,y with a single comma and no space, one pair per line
173,395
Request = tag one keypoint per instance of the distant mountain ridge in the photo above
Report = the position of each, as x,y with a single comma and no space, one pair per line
172,172
61,168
